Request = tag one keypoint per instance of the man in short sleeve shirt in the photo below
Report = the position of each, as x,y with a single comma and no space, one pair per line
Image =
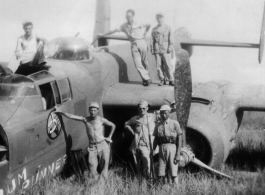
136,34
140,126
168,136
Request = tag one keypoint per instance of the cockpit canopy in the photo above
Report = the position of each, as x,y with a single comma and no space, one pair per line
16,86
69,48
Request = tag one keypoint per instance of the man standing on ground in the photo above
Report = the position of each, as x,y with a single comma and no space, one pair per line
161,47
168,136
27,47
140,126
99,148
136,34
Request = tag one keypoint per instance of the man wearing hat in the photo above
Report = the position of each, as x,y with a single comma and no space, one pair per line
27,47
168,136
141,126
99,149
161,47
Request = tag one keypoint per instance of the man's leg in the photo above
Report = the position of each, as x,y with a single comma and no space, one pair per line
173,169
160,72
138,63
105,156
168,68
145,156
92,161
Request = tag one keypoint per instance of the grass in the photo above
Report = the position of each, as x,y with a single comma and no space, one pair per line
246,164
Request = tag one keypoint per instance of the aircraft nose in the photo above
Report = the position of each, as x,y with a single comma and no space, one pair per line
4,158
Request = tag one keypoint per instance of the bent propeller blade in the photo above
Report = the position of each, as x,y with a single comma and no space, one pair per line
201,164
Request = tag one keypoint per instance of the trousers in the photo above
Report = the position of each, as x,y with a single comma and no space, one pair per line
145,158
99,155
139,54
165,71
167,153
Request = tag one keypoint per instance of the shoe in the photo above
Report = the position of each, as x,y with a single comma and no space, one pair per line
145,83
161,83
165,82
149,81
171,83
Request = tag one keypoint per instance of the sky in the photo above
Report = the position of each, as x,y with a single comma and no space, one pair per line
226,20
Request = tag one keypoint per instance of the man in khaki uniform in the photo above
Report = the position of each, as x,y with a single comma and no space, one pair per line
140,126
99,149
136,34
168,136
161,47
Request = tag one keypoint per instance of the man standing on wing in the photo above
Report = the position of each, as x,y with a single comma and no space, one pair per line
99,148
168,136
140,126
161,47
28,45
136,36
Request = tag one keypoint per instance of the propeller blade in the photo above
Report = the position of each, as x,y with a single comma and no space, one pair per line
3,149
261,43
201,164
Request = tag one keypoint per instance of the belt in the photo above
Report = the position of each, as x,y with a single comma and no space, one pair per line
96,143
167,140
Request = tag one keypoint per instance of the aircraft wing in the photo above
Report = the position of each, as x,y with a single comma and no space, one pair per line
198,42
115,37
129,94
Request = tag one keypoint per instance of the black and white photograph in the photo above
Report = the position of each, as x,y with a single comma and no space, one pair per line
132,97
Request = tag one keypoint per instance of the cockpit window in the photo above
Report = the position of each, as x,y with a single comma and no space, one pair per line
69,48
12,91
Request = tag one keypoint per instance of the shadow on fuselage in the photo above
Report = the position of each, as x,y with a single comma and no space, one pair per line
123,72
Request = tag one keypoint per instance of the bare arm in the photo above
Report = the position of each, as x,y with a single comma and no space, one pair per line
109,33
128,127
147,27
110,124
71,116
18,51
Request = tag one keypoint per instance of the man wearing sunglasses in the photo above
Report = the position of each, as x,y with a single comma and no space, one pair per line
141,126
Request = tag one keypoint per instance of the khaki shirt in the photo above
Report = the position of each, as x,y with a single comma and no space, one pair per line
141,127
168,128
161,39
134,32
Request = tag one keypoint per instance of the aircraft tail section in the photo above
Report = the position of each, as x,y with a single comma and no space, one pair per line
102,21
187,43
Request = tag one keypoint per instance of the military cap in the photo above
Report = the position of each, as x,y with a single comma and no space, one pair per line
94,105
143,103
165,108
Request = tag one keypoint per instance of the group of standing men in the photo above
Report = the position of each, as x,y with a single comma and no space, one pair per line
149,132
161,46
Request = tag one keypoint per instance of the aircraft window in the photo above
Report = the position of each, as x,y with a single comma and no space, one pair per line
56,92
40,75
50,94
16,90
65,90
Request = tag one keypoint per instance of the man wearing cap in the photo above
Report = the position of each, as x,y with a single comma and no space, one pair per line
161,47
27,47
141,126
168,136
136,34
99,149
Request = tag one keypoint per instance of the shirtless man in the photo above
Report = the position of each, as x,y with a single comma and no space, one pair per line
27,47
99,148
